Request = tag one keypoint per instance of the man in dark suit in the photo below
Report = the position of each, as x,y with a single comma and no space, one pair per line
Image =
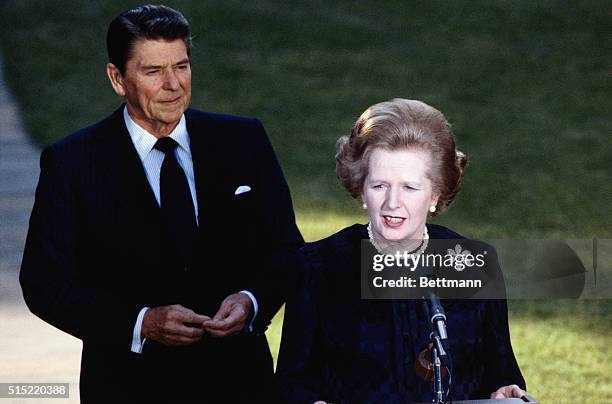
160,235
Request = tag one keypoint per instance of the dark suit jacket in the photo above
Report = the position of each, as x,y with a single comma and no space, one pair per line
96,254
343,349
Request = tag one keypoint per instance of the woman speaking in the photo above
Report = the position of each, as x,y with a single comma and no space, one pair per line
401,164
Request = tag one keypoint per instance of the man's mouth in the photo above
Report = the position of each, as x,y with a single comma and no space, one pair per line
171,101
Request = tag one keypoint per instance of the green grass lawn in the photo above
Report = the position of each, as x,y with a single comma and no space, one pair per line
526,85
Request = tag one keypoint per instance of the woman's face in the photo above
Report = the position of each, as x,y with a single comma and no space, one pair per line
398,194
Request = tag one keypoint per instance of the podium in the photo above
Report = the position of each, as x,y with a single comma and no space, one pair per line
495,401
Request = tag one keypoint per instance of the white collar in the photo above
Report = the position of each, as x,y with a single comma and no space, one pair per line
144,141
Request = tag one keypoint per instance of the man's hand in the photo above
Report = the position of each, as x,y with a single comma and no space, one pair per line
508,392
173,325
231,317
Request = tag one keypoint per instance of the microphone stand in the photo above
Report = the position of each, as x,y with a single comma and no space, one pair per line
437,334
438,393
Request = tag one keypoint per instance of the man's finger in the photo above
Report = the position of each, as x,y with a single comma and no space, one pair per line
224,333
184,329
185,315
235,317
226,330
217,325
195,318
223,311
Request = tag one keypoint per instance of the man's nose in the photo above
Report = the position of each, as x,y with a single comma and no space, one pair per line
171,81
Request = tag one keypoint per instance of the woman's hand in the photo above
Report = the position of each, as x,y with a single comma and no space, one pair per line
508,392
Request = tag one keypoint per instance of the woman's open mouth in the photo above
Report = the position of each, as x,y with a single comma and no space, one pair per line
393,221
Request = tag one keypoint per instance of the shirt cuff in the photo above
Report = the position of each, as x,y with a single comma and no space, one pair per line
137,340
249,327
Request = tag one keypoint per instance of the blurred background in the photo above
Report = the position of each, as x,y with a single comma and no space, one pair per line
526,86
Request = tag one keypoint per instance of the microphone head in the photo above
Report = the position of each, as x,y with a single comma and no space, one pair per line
434,305
426,312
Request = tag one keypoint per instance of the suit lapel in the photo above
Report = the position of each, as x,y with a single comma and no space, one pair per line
130,173
205,167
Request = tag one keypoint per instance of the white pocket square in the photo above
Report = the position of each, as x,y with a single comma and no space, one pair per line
242,189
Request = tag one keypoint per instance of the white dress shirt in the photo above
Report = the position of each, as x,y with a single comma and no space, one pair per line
152,160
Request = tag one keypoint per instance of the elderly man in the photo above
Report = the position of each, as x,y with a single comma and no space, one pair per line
160,235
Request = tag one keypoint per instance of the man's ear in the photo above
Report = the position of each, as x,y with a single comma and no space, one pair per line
116,79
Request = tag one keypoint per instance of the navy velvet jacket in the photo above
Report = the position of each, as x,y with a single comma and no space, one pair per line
340,348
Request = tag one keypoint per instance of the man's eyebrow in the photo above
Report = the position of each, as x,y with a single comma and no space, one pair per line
153,66
149,67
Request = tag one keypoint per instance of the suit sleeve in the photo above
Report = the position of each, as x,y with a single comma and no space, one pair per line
299,369
281,237
50,276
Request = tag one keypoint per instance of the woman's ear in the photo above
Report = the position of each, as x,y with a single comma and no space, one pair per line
434,203
116,79
434,200
362,202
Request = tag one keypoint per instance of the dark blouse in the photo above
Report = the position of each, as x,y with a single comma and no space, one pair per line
340,348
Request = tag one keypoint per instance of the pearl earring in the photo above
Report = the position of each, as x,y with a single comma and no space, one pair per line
432,208
365,205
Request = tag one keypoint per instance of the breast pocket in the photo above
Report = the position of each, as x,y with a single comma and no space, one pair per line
239,216
244,203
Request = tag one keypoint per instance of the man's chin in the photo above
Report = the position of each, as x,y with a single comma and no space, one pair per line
171,117
171,111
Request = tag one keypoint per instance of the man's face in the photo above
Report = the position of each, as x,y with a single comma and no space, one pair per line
157,84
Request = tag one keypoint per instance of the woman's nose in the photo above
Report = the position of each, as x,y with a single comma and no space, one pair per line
393,198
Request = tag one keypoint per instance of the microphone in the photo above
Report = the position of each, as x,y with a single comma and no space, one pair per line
433,362
434,313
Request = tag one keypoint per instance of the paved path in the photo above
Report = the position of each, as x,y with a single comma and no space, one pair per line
31,351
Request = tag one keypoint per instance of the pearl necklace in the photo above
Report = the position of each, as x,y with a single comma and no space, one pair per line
416,252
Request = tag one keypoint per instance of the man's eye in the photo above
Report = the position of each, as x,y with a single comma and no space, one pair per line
152,72
182,67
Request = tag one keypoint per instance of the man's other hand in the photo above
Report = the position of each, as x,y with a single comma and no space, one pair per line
231,317
173,325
